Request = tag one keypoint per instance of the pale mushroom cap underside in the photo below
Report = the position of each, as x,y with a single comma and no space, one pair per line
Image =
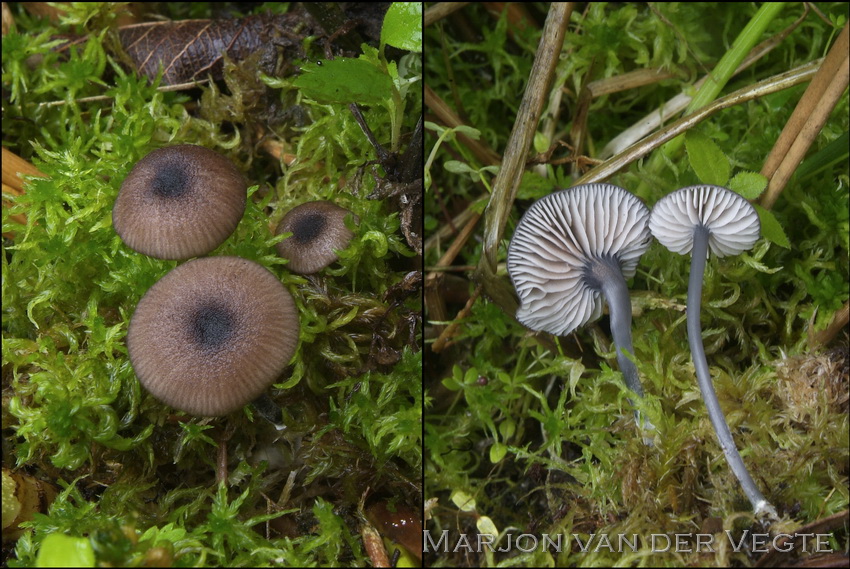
556,239
732,223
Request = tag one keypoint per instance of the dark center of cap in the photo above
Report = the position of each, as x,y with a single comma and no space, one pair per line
211,325
171,180
308,227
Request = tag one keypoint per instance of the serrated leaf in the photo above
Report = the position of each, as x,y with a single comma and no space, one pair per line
771,229
402,26
344,80
749,185
757,265
707,160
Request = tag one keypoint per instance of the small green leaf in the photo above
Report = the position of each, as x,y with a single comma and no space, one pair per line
344,80
458,167
403,26
541,142
464,501
60,550
486,526
469,131
771,229
497,452
507,428
749,185
707,160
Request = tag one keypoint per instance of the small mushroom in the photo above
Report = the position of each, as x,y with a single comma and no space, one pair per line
179,202
570,248
318,232
212,335
699,219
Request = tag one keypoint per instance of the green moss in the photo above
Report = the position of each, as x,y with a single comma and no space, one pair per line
144,479
539,431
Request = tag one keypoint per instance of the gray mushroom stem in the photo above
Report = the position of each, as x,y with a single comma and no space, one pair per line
715,413
603,273
569,247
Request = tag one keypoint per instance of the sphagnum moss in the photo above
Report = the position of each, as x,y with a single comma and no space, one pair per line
138,481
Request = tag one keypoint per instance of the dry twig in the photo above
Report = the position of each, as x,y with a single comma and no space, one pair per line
808,118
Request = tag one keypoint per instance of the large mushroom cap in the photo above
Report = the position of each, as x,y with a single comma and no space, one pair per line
731,221
554,242
212,335
179,202
318,231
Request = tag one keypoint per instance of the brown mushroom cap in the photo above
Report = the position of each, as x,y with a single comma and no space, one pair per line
179,202
212,335
318,231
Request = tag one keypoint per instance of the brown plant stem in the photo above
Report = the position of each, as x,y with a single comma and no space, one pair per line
516,150
808,118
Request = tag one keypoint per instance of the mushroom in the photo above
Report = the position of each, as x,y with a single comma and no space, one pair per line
318,232
570,248
212,335
697,219
179,202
